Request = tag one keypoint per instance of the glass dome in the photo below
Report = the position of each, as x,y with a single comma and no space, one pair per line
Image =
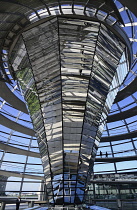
20,158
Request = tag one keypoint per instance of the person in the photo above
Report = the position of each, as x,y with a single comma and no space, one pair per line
106,154
18,202
100,154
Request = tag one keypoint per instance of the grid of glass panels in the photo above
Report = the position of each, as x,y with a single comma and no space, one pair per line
18,165
126,147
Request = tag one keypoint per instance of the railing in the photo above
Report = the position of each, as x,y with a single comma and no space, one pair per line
116,204
121,204
30,203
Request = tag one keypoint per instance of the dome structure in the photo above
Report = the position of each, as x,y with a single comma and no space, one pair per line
68,60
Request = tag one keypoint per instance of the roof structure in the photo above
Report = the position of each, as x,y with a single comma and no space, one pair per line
117,152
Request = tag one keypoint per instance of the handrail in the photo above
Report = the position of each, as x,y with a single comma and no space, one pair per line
13,201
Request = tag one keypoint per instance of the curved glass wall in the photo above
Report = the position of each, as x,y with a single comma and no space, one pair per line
120,125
